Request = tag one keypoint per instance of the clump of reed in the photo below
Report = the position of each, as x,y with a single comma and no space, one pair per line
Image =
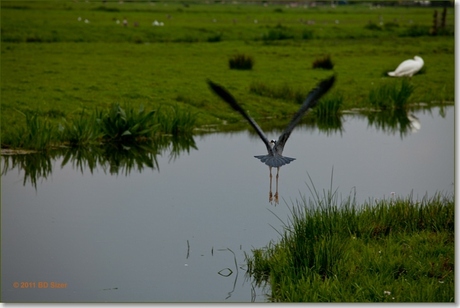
339,251
308,34
125,124
81,131
241,62
328,112
390,26
277,33
372,26
37,134
415,31
329,106
284,91
391,95
324,63
217,37
116,125
175,121
387,26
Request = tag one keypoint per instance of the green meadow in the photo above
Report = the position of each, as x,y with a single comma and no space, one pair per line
59,58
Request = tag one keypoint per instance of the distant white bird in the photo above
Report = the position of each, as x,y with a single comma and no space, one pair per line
408,68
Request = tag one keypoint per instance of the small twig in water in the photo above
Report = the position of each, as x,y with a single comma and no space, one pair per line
188,249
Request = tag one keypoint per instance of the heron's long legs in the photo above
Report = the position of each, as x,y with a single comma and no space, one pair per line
270,194
276,192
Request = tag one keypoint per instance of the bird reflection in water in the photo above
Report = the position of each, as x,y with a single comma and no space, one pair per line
274,158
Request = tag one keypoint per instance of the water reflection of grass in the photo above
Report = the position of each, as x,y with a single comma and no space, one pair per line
37,166
111,158
393,250
394,121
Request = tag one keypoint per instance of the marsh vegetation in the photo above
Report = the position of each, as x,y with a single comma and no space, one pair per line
116,125
331,250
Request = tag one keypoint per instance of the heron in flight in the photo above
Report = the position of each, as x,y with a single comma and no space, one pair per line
275,157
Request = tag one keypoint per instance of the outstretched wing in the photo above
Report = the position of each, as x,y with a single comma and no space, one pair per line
310,101
226,96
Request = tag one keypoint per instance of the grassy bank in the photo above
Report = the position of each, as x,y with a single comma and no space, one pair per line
395,250
117,125
54,63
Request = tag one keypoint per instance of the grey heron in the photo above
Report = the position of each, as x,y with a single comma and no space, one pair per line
275,157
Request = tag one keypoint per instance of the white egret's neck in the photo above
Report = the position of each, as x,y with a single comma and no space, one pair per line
418,59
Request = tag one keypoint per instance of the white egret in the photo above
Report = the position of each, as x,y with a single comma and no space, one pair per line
408,68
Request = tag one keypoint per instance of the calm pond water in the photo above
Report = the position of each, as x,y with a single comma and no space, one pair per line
178,232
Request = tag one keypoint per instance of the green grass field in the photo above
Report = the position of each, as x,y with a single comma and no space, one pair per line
55,65
330,250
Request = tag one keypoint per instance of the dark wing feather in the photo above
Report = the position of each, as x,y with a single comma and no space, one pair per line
310,101
226,96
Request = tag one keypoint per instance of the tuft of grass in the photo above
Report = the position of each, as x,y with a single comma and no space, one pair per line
415,31
372,26
308,34
285,91
38,133
125,124
328,112
81,131
394,250
324,63
176,121
329,106
106,9
116,125
241,62
215,38
277,33
390,96
390,26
